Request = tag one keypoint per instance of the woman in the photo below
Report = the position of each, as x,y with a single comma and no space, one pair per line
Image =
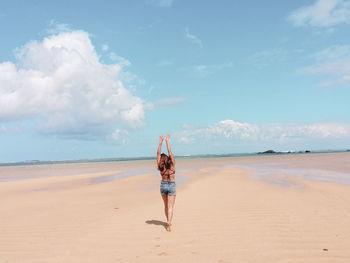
166,166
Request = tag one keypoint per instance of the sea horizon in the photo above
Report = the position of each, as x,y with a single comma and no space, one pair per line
187,156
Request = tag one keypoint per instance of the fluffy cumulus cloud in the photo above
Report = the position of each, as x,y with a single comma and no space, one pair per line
61,85
322,13
332,63
232,130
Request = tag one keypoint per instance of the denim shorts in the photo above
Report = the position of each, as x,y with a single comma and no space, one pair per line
167,188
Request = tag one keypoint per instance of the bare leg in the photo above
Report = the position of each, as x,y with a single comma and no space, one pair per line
171,202
165,200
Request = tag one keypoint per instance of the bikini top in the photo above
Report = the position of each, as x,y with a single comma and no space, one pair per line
171,173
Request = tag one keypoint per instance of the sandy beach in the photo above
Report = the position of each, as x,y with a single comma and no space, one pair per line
288,208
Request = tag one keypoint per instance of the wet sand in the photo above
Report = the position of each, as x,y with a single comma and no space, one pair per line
290,208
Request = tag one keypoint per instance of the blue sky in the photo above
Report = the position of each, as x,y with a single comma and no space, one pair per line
88,79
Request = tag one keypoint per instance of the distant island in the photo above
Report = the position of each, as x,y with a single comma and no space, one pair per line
274,152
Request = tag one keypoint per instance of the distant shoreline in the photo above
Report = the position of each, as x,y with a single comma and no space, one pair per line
199,156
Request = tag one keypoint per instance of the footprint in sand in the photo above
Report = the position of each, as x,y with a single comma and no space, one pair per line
163,254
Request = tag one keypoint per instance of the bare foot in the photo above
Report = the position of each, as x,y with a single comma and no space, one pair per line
168,227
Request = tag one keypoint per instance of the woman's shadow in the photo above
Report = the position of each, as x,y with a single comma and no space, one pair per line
156,222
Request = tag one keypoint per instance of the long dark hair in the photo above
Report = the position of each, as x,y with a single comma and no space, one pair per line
165,163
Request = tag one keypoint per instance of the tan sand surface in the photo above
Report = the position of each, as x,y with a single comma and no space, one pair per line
222,214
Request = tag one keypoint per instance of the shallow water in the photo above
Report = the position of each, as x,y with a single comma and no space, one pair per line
274,169
276,173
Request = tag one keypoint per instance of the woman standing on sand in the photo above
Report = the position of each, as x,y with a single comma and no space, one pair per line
166,166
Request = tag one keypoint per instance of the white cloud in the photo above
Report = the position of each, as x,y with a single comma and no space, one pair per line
193,38
55,27
11,129
207,70
232,130
334,64
60,84
119,60
120,136
323,13
162,3
265,58
105,47
333,52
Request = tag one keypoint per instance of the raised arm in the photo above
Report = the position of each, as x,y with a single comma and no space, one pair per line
169,149
161,138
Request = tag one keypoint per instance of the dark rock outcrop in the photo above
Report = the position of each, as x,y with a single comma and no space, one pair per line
268,152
